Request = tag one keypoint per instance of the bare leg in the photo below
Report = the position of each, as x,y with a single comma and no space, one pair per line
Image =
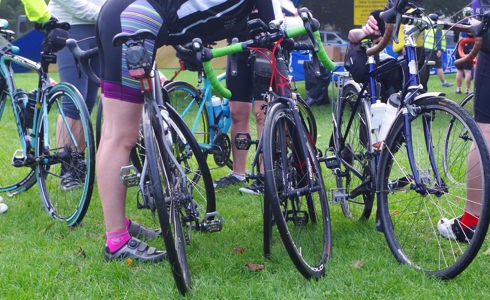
467,79
473,177
119,134
240,115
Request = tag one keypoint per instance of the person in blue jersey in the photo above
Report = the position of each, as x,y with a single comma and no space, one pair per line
173,22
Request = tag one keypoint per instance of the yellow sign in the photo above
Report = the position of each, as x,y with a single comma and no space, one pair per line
362,9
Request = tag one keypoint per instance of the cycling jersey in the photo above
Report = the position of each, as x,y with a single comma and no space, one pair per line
173,22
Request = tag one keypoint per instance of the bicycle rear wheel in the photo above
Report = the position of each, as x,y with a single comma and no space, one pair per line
352,144
187,101
65,149
12,179
169,192
187,152
295,190
410,214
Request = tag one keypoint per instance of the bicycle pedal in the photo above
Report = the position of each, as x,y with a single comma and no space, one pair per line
18,159
129,176
331,162
212,222
243,140
299,218
339,196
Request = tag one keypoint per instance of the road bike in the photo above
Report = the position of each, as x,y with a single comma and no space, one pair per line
295,199
419,172
55,146
208,115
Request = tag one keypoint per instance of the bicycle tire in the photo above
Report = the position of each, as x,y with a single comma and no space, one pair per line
353,148
188,153
13,179
295,190
166,189
309,121
409,219
98,123
61,142
187,100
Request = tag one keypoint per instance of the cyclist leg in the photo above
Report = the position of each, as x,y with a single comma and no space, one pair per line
122,101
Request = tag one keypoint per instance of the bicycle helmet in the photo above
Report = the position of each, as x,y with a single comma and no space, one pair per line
467,11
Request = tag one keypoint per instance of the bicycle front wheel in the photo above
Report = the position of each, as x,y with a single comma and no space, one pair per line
415,217
295,190
66,153
13,178
169,192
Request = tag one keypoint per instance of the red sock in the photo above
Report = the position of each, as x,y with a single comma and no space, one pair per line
127,222
117,239
469,220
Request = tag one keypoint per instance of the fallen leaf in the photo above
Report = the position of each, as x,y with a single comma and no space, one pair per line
49,226
238,250
129,261
358,263
254,267
82,252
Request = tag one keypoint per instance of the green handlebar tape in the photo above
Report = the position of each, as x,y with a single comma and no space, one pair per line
219,89
296,31
322,55
230,49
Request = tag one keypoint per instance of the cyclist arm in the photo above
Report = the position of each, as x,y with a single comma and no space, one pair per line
36,10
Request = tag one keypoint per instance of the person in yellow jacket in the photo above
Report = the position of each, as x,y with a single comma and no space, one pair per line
435,45
421,57
36,11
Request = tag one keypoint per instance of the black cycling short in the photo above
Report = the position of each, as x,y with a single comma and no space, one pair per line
482,87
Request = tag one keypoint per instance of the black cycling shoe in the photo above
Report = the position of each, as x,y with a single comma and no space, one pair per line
137,250
137,230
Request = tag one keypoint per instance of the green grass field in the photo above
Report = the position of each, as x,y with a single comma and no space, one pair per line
44,259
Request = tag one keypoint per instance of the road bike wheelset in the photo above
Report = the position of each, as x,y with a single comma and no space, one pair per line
454,175
168,188
351,142
294,190
13,179
66,154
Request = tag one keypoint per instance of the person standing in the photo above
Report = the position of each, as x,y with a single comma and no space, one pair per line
435,45
465,71
81,15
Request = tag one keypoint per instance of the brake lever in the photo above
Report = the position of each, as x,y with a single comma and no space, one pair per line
310,25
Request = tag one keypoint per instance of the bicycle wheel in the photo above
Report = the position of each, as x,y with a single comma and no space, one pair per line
352,142
98,123
187,101
294,188
65,149
410,213
309,121
187,152
168,191
12,179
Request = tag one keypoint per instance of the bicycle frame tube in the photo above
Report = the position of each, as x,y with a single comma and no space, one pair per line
7,72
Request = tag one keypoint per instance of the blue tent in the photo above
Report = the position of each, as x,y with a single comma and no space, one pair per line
30,47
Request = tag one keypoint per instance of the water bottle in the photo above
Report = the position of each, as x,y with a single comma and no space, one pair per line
216,101
391,109
378,111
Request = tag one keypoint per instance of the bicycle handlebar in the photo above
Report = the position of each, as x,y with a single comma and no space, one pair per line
476,30
82,59
260,41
